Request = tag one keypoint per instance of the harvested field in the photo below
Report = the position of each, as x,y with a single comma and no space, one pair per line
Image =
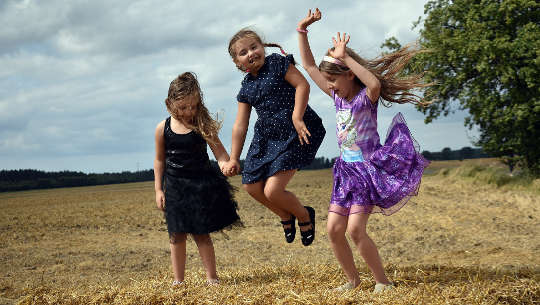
461,241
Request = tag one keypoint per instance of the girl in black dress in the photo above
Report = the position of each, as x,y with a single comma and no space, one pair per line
196,198
287,133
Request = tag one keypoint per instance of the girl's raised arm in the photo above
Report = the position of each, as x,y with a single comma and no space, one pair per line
373,85
308,62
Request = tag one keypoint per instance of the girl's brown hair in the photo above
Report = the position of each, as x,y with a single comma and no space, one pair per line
395,88
186,85
247,33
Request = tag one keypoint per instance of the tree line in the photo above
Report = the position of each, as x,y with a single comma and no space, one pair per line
29,179
460,154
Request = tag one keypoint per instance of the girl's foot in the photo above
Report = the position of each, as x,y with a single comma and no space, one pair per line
290,232
344,287
177,283
212,282
308,236
379,287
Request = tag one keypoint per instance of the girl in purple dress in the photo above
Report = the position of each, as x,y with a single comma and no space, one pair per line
368,177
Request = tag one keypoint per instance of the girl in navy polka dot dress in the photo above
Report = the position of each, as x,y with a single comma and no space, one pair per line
287,133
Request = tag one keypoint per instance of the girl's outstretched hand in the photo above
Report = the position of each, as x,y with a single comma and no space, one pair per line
339,46
302,131
309,19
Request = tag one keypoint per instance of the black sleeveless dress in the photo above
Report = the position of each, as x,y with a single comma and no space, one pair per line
198,198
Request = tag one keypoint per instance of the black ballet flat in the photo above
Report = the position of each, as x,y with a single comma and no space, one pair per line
290,233
308,236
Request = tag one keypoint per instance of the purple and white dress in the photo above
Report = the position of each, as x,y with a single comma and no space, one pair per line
370,177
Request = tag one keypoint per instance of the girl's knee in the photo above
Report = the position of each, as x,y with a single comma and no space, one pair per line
272,193
176,238
357,234
247,187
335,231
202,238
269,193
251,189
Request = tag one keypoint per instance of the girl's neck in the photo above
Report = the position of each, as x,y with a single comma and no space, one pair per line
254,73
353,92
180,126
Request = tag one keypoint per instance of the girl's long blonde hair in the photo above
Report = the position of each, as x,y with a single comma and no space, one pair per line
186,85
395,88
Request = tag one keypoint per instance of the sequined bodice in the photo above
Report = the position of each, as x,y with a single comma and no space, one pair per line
185,154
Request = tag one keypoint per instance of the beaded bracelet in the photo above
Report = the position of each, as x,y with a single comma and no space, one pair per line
299,30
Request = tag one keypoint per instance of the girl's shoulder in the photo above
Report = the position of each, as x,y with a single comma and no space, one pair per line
161,125
160,129
276,59
360,100
279,64
275,65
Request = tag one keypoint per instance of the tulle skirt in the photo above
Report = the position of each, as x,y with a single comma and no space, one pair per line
385,181
199,204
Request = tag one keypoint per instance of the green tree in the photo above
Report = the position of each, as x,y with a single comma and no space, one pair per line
484,57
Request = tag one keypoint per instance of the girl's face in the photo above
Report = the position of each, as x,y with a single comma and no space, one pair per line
186,108
249,54
342,84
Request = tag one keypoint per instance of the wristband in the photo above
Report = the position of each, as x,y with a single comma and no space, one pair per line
299,30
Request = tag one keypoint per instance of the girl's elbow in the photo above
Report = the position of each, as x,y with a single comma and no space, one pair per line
304,86
376,84
308,67
240,127
375,87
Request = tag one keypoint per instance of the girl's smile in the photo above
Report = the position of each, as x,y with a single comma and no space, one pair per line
249,55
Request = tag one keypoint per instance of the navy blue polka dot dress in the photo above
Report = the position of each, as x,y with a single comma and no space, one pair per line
275,145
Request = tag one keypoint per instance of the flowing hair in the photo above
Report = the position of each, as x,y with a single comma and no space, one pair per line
247,33
186,85
395,87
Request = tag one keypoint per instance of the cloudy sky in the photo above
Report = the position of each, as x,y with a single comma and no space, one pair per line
82,83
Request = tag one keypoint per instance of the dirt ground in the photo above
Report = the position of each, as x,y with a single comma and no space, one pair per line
76,238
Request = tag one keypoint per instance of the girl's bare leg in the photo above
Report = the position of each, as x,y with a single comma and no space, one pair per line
208,256
357,230
274,190
336,227
178,255
256,190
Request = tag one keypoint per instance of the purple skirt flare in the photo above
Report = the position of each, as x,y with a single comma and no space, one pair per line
385,181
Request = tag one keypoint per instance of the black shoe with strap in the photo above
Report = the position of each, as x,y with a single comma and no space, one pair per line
308,236
290,233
